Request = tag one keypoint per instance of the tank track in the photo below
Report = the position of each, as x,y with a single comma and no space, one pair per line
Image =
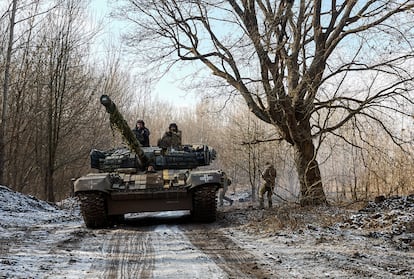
93,209
204,204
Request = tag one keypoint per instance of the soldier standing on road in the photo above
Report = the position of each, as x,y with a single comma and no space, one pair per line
142,133
226,183
269,176
171,138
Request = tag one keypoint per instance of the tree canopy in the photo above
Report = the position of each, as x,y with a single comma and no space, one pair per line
306,67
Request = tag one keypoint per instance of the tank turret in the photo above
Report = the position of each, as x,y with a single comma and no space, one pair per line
187,156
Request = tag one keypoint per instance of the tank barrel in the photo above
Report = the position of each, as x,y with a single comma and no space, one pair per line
119,122
108,104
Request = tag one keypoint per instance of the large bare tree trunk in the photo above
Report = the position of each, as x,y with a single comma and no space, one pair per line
311,189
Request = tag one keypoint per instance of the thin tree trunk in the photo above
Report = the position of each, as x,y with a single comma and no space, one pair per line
50,160
4,113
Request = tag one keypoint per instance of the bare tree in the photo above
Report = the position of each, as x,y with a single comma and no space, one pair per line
293,62
50,98
63,95
18,145
4,114
54,117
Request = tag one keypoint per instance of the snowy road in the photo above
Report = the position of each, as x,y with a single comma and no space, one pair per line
38,240
151,247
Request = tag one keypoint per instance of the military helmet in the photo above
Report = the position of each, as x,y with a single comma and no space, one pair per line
173,125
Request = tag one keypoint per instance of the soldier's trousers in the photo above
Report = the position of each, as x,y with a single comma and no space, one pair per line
265,189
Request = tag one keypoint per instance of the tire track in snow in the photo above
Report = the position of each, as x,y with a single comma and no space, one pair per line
234,260
159,248
176,257
128,254
156,251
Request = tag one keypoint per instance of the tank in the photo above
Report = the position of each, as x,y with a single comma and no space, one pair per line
134,179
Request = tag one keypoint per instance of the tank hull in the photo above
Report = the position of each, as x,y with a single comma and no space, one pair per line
106,197
122,203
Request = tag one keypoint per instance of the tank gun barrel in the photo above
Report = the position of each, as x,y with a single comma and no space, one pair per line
119,122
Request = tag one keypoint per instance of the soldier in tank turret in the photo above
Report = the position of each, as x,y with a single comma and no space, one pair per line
142,133
171,138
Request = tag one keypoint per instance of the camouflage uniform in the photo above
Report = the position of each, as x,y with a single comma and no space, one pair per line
225,181
171,138
269,176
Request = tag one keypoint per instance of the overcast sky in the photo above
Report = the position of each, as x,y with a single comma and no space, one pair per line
166,90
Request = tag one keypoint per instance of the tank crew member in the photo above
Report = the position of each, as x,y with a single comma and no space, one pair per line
226,181
171,138
269,176
142,133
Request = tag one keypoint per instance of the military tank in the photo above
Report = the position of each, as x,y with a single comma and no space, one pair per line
136,179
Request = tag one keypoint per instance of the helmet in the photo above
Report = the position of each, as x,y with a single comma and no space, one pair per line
141,121
173,125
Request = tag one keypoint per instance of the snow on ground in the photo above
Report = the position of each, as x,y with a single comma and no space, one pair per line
373,239
29,228
376,239
19,210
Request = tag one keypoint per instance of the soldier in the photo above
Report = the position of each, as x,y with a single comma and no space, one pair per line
226,183
142,133
171,138
269,176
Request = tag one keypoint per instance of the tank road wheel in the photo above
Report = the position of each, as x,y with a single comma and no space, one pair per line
204,204
93,209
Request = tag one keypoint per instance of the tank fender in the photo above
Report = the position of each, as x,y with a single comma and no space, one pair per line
198,178
92,182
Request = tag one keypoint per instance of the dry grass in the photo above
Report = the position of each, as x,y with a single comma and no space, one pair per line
286,216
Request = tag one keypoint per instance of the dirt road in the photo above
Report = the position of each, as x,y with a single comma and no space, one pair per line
162,245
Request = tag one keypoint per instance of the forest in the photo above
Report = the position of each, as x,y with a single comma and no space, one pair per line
359,113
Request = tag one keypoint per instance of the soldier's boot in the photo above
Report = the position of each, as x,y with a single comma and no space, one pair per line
261,205
270,204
